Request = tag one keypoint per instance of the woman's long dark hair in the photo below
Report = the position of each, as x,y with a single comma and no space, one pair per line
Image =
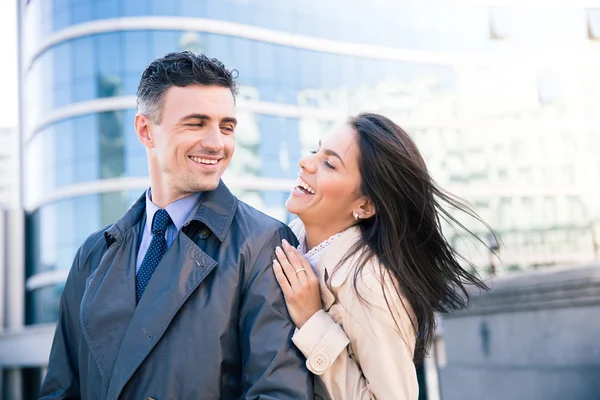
405,234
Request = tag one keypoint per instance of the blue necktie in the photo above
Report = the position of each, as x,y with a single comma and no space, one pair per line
156,250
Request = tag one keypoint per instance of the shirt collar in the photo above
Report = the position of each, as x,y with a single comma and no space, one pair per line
178,210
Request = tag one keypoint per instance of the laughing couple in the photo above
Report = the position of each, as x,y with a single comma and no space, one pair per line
193,294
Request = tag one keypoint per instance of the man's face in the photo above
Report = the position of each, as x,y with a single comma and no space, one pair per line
190,148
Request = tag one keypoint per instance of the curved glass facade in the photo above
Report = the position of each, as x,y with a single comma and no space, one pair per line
55,231
382,22
85,148
504,135
110,65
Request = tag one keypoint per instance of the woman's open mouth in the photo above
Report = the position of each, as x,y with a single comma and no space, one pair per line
303,188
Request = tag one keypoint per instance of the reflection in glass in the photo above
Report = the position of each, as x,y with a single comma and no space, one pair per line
58,229
269,202
85,148
112,146
42,305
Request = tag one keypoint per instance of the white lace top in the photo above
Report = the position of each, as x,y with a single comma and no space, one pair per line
315,253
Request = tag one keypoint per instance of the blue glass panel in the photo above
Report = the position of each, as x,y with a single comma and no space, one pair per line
109,50
130,83
134,195
86,171
289,63
219,46
131,142
265,62
192,8
137,51
63,64
43,304
60,20
84,59
161,7
64,211
111,144
88,214
240,12
61,140
330,73
81,12
66,251
218,10
133,8
65,175
282,21
137,165
104,9
270,145
261,16
85,131
57,5
244,51
164,42
84,89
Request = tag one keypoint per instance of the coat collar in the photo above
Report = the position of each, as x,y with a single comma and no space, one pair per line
215,210
330,259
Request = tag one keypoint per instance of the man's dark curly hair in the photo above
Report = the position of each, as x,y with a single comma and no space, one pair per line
179,69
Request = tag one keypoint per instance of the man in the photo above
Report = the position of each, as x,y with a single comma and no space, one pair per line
177,299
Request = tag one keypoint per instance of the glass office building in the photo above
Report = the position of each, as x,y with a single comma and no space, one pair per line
502,102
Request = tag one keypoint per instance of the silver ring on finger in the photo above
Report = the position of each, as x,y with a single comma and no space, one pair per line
300,269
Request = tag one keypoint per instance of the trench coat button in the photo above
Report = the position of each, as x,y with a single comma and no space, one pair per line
204,233
318,363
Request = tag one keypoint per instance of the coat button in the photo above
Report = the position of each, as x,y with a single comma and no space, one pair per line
204,233
318,363
149,398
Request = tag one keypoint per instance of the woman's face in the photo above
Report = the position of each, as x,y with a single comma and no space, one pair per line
328,185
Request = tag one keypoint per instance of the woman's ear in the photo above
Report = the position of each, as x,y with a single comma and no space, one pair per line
365,210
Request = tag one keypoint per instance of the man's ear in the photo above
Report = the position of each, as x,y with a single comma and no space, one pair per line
143,128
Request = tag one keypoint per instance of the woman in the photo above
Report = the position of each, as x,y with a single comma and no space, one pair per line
369,226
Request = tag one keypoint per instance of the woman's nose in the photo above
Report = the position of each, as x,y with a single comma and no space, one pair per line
307,163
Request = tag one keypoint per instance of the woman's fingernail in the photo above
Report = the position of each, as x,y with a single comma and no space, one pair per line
278,249
285,242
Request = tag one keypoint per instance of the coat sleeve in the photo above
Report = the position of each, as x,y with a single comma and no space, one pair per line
62,377
385,370
272,366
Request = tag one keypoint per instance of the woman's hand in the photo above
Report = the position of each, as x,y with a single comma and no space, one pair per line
299,283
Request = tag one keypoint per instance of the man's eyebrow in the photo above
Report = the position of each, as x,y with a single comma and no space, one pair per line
208,118
230,119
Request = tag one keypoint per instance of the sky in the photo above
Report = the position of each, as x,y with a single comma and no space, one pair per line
8,68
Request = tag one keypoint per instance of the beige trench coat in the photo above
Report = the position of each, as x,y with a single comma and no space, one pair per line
355,348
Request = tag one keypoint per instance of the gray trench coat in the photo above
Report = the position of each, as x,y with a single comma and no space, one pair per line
212,323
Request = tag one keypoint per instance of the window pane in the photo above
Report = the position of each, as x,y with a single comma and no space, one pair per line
43,304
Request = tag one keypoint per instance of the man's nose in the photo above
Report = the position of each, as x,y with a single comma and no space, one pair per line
213,140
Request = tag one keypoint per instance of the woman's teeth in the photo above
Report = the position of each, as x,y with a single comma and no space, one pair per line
305,186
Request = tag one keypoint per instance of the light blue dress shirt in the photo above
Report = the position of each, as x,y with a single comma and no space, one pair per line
179,211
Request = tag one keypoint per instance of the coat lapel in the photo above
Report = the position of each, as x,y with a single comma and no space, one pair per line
183,267
329,260
108,301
